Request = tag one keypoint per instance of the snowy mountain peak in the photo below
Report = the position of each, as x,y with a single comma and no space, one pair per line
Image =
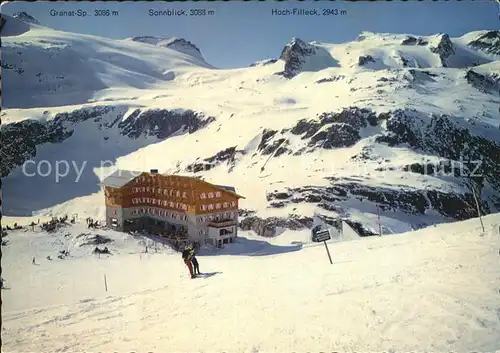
25,17
11,26
301,56
489,42
297,46
178,44
442,45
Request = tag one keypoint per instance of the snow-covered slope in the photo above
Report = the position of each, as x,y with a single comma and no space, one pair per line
431,290
389,123
59,68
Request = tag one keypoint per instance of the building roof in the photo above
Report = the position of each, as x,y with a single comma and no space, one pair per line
228,188
119,178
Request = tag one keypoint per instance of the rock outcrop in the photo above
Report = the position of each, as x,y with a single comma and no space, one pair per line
335,130
488,42
407,200
267,227
410,40
483,82
25,17
21,139
229,156
363,60
161,123
442,136
443,47
264,62
294,55
178,44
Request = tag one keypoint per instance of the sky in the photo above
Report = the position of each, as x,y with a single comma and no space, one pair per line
236,34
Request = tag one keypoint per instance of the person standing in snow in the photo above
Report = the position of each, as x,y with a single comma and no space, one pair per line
196,265
186,256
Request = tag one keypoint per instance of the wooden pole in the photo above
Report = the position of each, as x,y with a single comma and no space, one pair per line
477,205
105,283
328,252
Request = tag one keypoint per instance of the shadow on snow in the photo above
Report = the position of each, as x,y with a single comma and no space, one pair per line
249,247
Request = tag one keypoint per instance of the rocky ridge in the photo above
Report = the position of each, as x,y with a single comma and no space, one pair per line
19,140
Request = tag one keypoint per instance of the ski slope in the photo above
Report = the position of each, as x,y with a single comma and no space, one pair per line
431,290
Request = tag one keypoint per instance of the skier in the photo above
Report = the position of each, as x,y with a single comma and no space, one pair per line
186,256
196,265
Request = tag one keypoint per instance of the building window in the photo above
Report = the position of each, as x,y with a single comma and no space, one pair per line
143,189
171,204
147,189
158,191
210,207
217,194
153,201
165,192
203,196
217,206
225,204
233,203
178,194
210,195
165,203
184,195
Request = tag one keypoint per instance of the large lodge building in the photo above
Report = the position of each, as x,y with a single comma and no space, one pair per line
171,204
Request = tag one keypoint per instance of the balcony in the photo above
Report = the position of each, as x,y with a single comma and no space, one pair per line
222,223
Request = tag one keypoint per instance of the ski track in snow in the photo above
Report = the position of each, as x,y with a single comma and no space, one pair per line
435,289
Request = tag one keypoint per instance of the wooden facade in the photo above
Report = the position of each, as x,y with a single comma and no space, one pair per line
176,193
163,195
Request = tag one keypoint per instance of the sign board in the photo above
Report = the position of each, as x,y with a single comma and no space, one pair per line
322,235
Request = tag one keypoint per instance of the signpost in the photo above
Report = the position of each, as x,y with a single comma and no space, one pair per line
323,236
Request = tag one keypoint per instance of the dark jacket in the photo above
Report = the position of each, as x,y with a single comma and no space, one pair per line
186,255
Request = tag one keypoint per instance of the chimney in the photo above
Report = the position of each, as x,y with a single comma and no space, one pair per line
153,171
